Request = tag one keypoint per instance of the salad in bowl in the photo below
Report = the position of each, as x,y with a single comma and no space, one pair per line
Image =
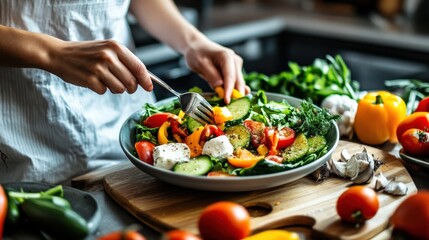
266,139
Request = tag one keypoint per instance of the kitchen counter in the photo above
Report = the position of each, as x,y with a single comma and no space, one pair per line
115,217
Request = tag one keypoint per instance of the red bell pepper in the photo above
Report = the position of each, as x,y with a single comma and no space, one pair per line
423,105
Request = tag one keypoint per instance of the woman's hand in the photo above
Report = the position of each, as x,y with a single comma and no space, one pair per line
98,65
218,65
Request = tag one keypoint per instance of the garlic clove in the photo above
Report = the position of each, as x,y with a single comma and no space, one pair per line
338,168
396,188
345,155
365,176
380,182
352,168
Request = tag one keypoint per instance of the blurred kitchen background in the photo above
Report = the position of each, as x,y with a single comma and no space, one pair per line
378,39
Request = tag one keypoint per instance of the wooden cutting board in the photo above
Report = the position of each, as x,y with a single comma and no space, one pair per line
302,202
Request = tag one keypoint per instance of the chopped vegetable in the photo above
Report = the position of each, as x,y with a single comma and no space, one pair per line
377,117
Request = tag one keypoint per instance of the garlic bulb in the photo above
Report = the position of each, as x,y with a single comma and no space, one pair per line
344,106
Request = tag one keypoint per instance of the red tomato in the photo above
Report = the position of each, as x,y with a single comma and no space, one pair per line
144,150
357,204
123,235
156,120
423,105
256,131
412,215
224,220
415,142
178,234
419,120
271,139
286,138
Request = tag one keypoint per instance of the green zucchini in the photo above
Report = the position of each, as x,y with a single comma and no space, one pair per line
316,143
240,108
198,166
57,221
238,135
297,150
192,124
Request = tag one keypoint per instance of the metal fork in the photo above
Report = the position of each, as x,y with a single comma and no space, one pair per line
191,103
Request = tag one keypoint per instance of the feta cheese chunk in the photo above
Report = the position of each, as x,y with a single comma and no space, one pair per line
167,155
218,147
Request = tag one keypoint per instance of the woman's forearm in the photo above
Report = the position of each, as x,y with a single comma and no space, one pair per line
163,20
19,48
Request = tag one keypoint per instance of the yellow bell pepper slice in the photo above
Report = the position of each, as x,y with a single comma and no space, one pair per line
220,92
377,117
193,142
274,235
163,133
221,115
244,158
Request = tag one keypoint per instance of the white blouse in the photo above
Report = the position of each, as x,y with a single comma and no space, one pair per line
51,130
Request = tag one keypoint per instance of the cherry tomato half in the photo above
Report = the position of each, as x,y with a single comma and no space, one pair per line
156,120
224,220
144,150
178,234
412,215
286,137
415,142
256,130
357,204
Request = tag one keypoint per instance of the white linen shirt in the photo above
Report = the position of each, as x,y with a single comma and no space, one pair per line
51,130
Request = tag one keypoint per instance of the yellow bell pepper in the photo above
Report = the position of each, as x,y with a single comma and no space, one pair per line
221,115
244,158
220,92
193,142
377,117
163,133
274,235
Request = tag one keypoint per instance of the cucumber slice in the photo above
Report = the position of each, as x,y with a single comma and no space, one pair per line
297,150
316,143
238,135
240,108
198,166
192,124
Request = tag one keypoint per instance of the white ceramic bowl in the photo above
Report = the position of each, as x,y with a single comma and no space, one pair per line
224,184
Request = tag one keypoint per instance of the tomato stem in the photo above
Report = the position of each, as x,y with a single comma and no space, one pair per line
358,218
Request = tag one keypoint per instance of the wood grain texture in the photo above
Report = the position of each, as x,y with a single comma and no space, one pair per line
302,202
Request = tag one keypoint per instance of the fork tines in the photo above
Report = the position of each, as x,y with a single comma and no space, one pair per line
203,112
